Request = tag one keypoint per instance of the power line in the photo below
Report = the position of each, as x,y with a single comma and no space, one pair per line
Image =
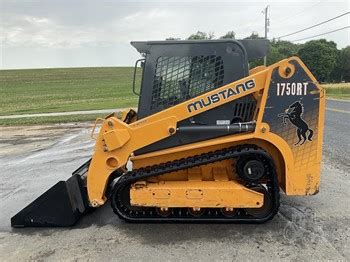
302,30
297,14
321,34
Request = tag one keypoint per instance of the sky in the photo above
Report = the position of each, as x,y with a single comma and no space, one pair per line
75,33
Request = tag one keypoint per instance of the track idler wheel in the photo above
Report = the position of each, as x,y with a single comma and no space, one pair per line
163,212
250,170
125,198
263,211
228,212
196,212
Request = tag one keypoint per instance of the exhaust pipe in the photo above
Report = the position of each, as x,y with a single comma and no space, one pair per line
224,129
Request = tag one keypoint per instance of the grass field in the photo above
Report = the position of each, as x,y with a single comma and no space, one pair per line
61,90
72,89
341,90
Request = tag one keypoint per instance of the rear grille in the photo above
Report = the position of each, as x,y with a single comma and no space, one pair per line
244,111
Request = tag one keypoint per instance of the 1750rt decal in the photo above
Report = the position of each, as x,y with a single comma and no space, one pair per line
292,89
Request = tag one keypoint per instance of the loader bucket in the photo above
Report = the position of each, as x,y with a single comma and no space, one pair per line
60,206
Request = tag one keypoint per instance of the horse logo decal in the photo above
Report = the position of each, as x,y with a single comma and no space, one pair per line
293,113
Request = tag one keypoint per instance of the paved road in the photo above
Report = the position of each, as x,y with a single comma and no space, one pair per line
337,134
86,112
34,158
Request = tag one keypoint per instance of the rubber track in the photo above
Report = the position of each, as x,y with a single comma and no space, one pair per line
121,206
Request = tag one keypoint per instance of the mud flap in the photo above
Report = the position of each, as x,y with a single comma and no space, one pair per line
60,206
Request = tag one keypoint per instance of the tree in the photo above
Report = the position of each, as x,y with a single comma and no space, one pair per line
274,55
201,36
320,56
172,38
229,35
286,48
280,50
341,71
254,35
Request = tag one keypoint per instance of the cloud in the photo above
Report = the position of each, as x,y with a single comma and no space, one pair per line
43,32
58,27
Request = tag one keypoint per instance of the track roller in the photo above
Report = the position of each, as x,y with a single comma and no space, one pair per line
249,169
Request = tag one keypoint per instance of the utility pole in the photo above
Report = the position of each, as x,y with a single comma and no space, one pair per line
267,24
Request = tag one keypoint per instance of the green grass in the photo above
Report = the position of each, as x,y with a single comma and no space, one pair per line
67,89
72,89
340,90
50,120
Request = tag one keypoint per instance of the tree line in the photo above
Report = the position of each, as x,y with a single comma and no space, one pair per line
322,57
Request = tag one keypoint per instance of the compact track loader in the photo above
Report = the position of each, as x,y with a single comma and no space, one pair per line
212,141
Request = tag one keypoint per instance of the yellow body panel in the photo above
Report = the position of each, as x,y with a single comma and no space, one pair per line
195,194
116,138
298,168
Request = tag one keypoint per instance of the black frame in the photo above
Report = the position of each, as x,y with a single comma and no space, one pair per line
233,53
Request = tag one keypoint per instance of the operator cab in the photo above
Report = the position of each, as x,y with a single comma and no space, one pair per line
176,71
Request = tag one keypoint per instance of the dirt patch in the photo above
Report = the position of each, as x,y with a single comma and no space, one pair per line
19,139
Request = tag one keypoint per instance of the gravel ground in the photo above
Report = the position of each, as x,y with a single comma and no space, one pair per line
34,158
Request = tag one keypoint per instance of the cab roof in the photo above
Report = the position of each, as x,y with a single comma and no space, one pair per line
255,48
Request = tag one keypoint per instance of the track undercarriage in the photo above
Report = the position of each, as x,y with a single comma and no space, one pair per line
264,183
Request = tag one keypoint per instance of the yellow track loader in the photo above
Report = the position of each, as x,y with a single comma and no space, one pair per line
212,141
